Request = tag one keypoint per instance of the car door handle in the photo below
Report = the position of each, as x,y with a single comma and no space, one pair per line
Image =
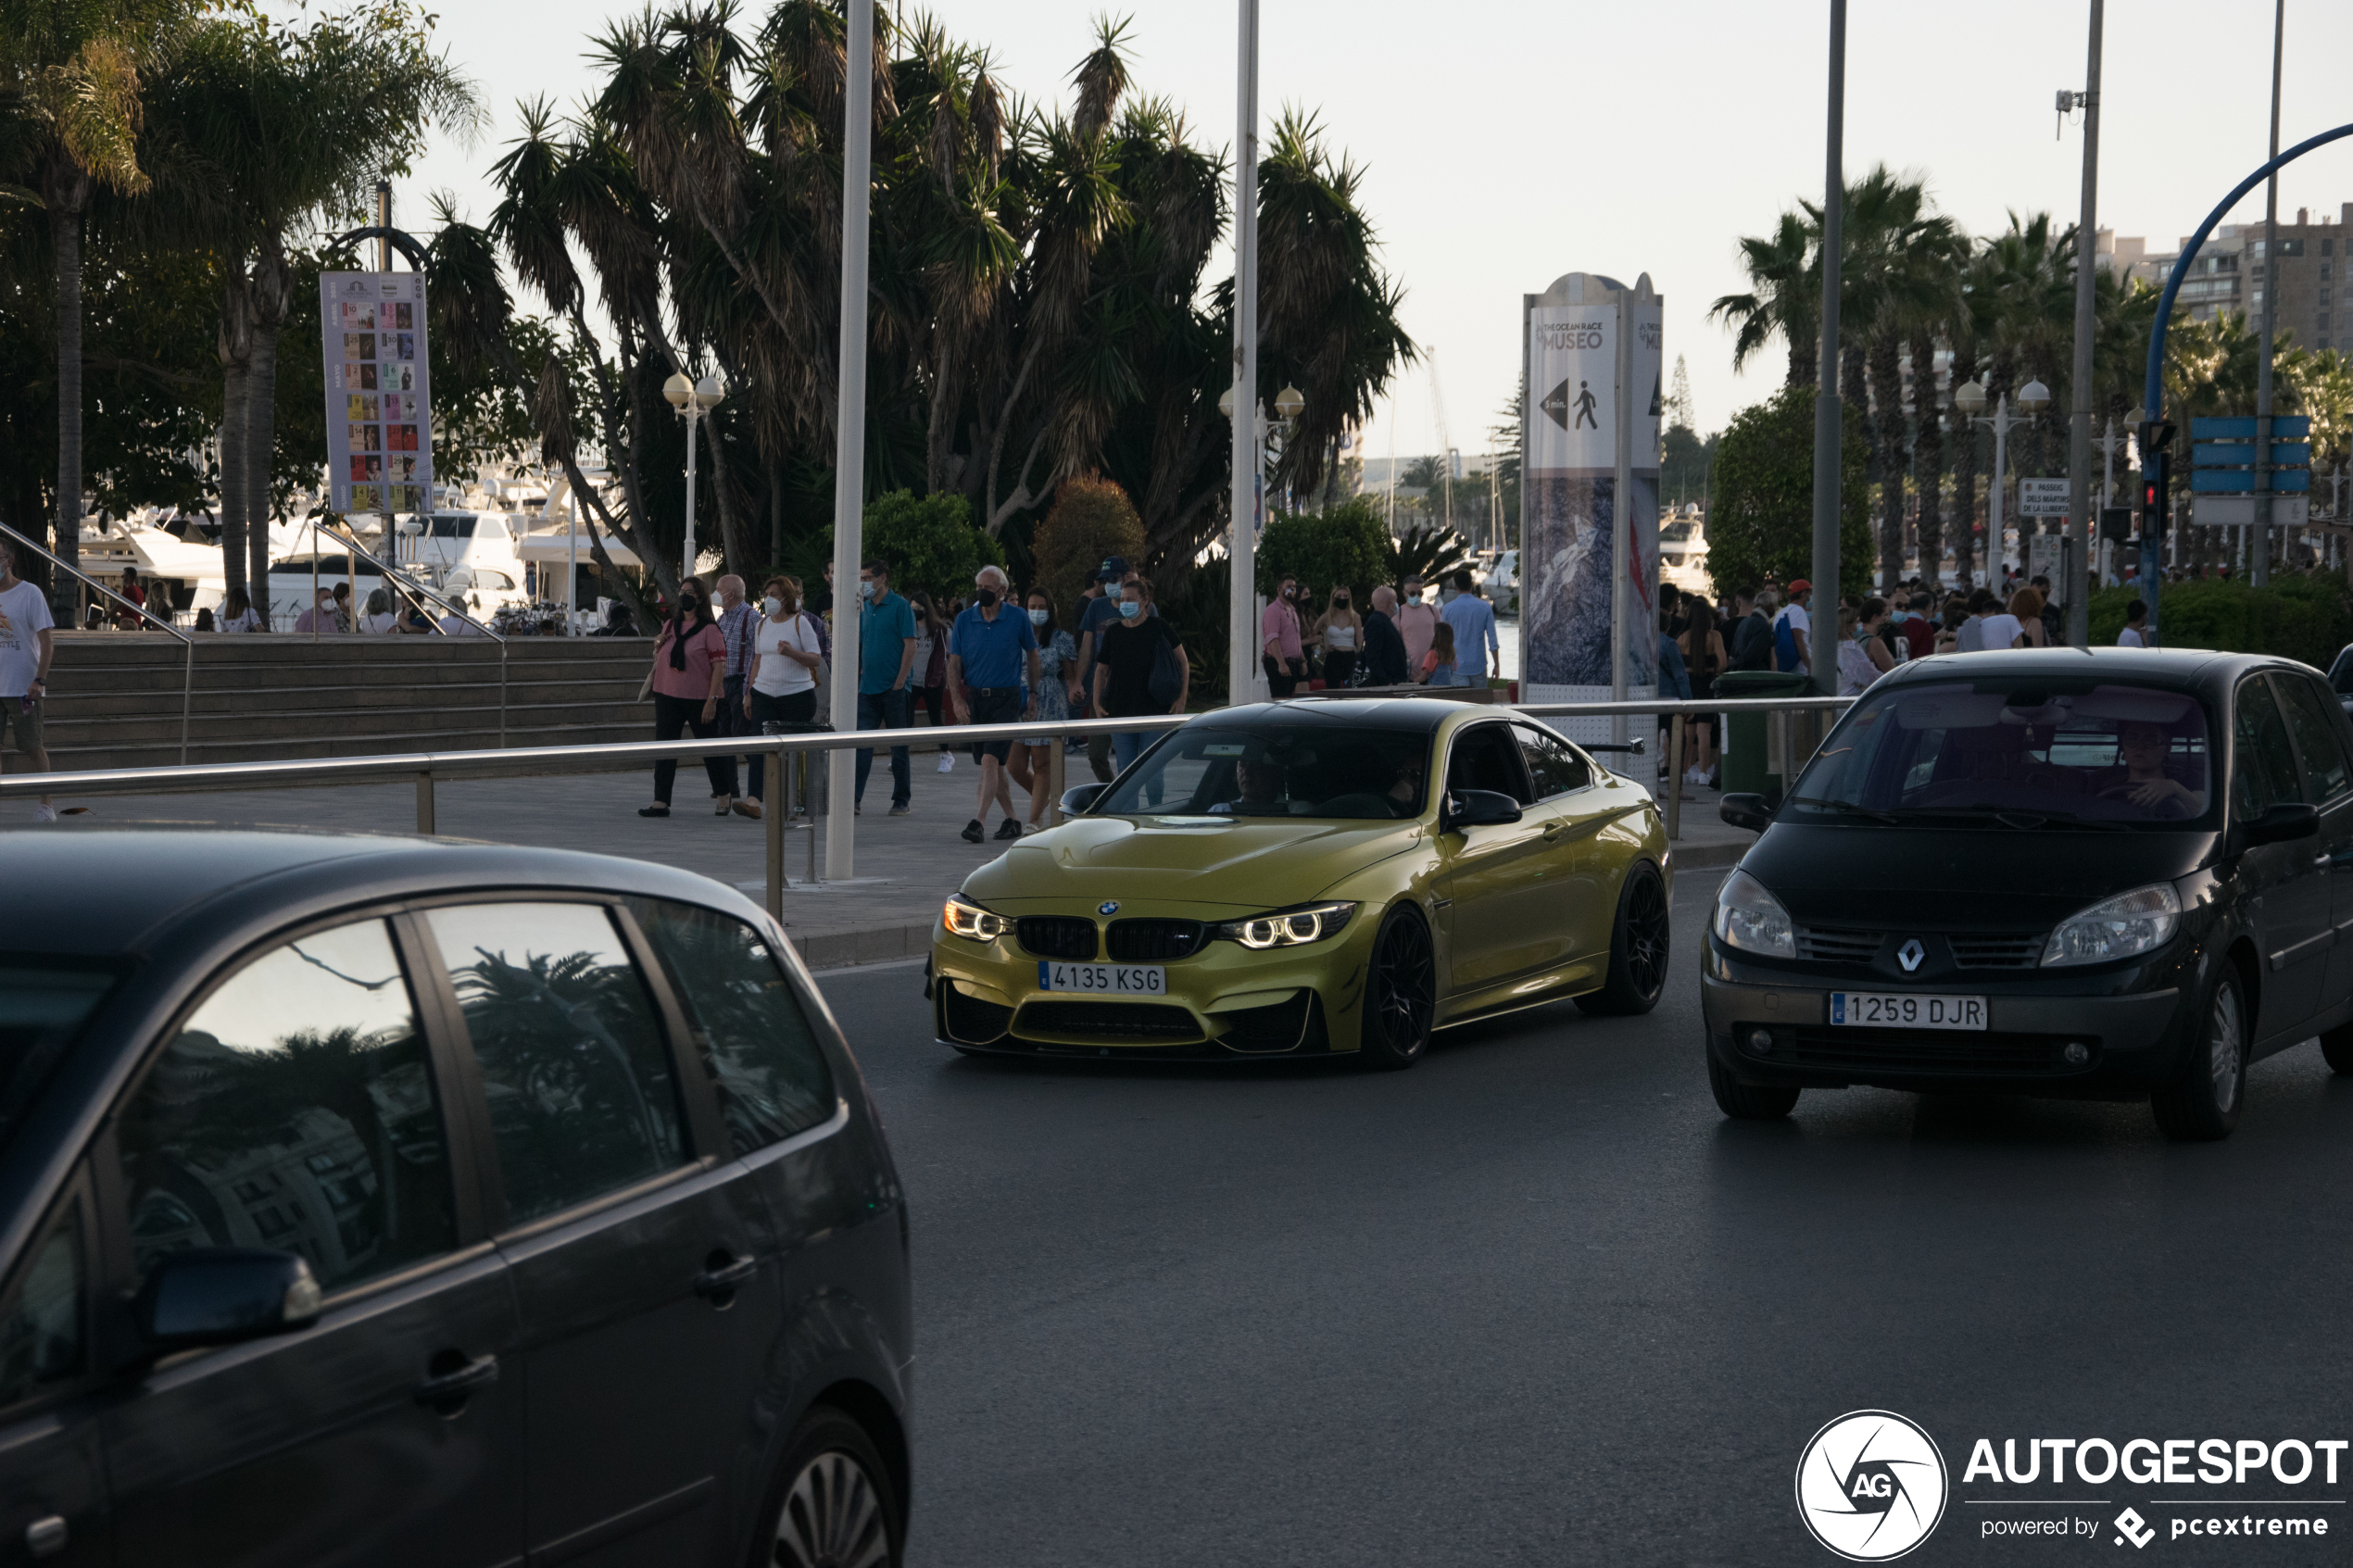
1552,829
45,1537
448,1389
725,1279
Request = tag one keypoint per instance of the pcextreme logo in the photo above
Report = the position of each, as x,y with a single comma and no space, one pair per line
1871,1486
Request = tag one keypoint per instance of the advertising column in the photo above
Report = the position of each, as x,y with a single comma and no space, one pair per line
379,424
1577,578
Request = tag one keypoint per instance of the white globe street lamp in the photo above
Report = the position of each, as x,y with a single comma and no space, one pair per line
694,400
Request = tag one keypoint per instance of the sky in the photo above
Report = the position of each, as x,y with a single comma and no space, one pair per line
1505,143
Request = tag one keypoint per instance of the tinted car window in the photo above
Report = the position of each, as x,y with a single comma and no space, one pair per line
295,1109
1484,758
1551,765
43,1004
582,1100
41,1332
1277,769
2316,742
748,1027
2264,769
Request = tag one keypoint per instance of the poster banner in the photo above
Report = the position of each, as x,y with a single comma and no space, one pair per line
1571,481
379,419
1644,397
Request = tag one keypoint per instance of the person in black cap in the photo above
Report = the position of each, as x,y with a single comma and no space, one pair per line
1098,612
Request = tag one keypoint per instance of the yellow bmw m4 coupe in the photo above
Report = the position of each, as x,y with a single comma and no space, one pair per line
1311,877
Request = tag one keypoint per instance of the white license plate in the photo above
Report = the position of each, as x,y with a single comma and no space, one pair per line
1906,1009
1104,979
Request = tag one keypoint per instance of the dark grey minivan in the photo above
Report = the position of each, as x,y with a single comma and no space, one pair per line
371,1200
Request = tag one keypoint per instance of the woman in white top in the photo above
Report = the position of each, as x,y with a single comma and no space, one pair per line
780,688
237,613
378,619
1340,633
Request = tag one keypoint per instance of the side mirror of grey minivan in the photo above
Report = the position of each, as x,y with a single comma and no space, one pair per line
2283,824
1748,811
223,1294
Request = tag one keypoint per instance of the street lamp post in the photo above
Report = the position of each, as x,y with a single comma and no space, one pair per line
1969,398
694,401
1240,402
2109,444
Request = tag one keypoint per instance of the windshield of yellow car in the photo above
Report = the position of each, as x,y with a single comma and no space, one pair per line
2003,753
1277,770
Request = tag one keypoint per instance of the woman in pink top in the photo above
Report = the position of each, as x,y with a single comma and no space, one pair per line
689,680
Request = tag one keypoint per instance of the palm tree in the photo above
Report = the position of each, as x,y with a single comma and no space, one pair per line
72,73
1783,300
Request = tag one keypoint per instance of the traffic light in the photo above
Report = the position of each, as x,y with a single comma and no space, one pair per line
2116,523
2155,435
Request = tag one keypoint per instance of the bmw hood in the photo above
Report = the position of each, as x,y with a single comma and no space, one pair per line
1245,863
1960,879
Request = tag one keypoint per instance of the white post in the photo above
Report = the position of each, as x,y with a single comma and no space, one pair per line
1621,511
2001,478
692,413
1244,680
850,422
572,560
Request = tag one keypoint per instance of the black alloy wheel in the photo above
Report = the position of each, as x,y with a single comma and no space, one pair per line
2201,1102
835,1507
1638,948
1401,991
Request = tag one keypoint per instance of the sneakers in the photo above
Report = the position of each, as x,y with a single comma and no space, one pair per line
44,813
745,806
973,832
902,810
1009,828
947,761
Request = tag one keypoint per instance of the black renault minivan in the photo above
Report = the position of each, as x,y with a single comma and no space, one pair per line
2115,873
395,1202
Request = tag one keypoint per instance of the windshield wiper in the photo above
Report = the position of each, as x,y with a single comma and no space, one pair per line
2008,816
1846,807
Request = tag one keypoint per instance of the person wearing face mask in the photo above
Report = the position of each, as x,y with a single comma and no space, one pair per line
780,694
689,683
1340,633
1416,622
1031,763
1123,673
1384,656
885,657
992,650
736,620
1282,646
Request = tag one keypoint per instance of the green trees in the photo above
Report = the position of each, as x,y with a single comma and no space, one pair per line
1091,521
1347,545
1760,524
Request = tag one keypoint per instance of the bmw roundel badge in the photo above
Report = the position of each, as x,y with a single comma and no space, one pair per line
1109,907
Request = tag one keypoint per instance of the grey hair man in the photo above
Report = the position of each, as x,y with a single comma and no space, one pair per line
990,649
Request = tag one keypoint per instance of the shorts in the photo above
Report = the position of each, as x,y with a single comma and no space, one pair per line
23,722
994,705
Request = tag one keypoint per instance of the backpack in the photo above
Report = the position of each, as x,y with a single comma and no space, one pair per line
1169,676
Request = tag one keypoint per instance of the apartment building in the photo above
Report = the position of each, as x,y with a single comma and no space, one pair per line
2230,273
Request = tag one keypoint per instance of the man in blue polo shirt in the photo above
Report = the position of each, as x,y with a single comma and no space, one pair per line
885,649
984,668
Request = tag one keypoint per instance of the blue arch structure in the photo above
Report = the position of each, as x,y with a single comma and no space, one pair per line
2152,565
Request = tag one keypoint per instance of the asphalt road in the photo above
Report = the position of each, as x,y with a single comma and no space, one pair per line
1534,1301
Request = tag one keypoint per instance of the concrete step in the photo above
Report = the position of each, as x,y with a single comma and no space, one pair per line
288,723
293,673
160,703
166,754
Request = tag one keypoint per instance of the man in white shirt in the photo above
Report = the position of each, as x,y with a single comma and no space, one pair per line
2136,626
1793,630
26,643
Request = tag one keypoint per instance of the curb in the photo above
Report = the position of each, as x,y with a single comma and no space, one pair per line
888,944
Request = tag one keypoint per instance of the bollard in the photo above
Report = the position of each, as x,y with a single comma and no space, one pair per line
1674,776
424,802
772,812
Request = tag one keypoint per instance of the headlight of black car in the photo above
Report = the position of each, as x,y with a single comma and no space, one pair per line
964,917
1286,928
2122,927
1749,917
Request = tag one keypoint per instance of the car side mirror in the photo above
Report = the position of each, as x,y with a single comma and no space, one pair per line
1077,797
223,1294
1477,808
2284,823
1749,811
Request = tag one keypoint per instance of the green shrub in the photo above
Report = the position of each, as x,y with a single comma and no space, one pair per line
1091,520
2304,615
1760,522
929,543
1347,545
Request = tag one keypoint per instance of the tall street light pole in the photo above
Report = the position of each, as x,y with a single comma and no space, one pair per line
1829,418
2079,446
1242,680
849,426
2258,570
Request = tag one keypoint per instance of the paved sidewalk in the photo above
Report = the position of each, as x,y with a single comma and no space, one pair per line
904,865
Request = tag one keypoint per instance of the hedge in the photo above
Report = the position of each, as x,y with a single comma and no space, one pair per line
2301,615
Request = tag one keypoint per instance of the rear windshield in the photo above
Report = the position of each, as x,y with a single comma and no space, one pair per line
43,1007
1277,770
2000,753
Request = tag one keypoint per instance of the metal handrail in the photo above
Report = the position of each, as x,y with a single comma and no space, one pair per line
424,766
188,657
349,537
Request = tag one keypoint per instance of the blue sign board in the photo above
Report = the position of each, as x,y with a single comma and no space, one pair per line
2284,427
2238,482
2241,454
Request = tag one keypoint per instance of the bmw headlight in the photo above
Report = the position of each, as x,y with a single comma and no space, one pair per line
1286,928
1751,919
964,917
2138,921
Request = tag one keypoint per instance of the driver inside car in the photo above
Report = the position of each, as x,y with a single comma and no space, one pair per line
2144,748
1258,787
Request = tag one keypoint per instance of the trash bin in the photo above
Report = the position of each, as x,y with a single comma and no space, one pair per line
1749,769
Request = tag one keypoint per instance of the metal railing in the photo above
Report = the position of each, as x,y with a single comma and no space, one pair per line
187,644
427,768
417,592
